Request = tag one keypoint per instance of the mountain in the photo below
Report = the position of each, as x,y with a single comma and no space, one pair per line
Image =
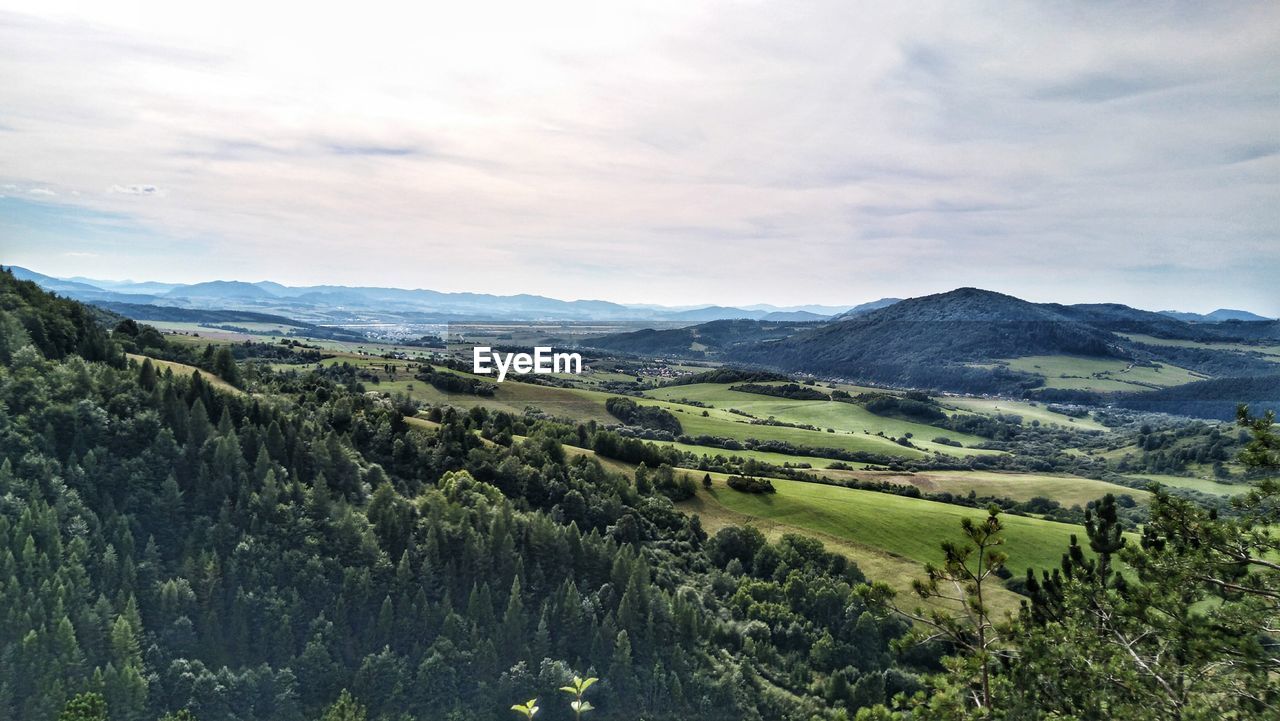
931,341
823,310
273,288
959,340
865,308
1217,398
1218,316
794,315
717,312
149,287
905,342
337,304
950,341
215,289
705,340
77,289
1182,315
1118,318
1225,314
51,283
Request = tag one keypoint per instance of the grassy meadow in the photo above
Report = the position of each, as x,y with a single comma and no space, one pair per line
182,369
1101,374
890,537
1065,489
1204,485
1027,410
1271,352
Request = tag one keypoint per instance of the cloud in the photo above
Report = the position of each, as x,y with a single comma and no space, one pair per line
41,191
670,152
137,190
372,150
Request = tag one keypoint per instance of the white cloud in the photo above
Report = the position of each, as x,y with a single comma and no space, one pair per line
41,191
137,190
668,151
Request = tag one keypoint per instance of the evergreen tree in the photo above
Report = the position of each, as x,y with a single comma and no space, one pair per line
85,707
345,709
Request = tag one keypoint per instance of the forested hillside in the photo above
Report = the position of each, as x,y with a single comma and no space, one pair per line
1215,398
251,555
931,342
962,341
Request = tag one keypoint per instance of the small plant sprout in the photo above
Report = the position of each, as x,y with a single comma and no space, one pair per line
577,688
527,709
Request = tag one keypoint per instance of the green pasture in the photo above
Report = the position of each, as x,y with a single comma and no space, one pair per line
1100,374
844,418
1025,409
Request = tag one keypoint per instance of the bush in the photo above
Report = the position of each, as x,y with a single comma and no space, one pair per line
634,414
917,410
793,391
751,485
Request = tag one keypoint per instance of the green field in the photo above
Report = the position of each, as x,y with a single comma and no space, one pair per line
776,459
1272,352
845,418
202,329
182,369
585,404
1204,485
855,428
365,351
1029,412
890,537
511,397
1100,374
1065,489
908,527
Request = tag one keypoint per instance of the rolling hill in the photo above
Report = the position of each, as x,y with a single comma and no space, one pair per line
1217,316
337,303
707,339
865,308
970,340
923,342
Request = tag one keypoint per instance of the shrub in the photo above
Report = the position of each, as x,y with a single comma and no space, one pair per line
751,485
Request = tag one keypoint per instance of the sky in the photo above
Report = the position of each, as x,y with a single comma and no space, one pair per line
652,152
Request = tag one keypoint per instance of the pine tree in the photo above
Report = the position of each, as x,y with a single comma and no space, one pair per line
85,707
345,709
513,623
967,568
147,375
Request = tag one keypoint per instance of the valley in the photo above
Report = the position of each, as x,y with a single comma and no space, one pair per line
803,446
689,454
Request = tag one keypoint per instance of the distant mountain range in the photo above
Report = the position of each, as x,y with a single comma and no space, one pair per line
956,340
1220,315
337,304
865,308
353,305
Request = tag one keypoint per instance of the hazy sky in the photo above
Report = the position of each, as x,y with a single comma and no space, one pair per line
664,152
